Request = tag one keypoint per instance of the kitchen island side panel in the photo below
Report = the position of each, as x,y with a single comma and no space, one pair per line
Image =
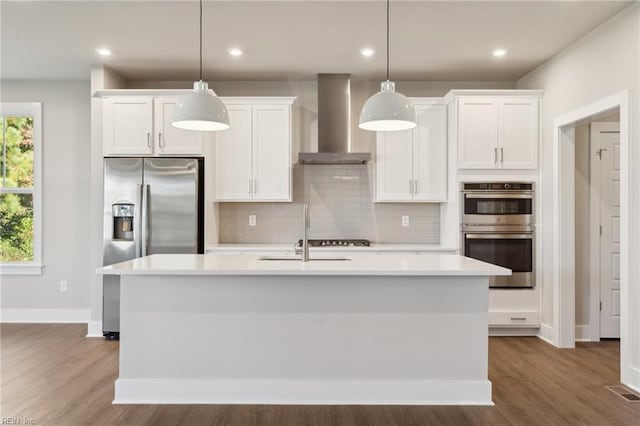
313,339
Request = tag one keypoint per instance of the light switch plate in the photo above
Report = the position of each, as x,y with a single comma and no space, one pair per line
405,221
252,220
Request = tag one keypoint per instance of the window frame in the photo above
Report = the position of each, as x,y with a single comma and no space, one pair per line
28,109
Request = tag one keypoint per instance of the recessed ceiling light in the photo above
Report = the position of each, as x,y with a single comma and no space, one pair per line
103,51
499,53
367,51
235,51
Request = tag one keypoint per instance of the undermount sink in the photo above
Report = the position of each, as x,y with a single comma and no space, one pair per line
311,259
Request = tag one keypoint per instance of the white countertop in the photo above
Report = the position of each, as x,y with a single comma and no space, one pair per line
289,247
427,264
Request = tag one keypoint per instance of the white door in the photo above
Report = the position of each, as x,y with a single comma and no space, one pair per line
168,139
233,156
518,133
394,166
127,126
430,154
477,133
605,147
271,153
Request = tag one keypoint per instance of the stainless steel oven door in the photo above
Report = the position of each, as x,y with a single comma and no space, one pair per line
510,250
487,208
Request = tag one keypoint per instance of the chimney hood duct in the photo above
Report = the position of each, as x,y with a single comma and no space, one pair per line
334,124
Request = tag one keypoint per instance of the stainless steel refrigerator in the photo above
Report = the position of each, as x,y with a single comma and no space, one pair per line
151,205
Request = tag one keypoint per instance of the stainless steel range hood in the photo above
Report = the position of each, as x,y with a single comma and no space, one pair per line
334,135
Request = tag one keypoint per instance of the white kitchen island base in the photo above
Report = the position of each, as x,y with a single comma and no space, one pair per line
303,339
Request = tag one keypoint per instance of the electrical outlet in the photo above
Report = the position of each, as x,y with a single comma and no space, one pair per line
405,221
252,220
63,286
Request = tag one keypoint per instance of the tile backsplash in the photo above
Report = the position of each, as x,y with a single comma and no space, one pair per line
340,199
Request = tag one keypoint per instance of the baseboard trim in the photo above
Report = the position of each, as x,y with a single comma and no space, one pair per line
512,331
583,333
94,329
317,392
632,379
546,333
45,315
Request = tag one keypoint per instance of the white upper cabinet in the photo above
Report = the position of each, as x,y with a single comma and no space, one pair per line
271,152
478,133
128,126
168,139
498,132
254,157
234,180
518,132
430,154
136,125
411,165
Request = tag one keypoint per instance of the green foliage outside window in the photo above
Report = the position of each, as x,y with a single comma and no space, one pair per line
16,209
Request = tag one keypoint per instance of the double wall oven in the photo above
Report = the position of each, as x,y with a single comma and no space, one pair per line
498,227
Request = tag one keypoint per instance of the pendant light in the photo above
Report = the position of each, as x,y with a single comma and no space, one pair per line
387,110
200,110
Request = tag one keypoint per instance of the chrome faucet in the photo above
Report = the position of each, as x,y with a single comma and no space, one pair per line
305,229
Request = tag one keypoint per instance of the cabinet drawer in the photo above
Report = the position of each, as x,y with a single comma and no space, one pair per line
514,319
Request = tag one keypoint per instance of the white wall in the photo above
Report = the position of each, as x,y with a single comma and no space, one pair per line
65,197
600,64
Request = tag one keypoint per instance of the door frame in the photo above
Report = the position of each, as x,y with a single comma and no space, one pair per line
563,285
595,282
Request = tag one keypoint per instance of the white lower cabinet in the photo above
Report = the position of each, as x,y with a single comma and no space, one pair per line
254,156
411,165
514,319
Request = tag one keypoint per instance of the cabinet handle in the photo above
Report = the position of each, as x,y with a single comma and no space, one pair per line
415,186
410,186
255,186
149,139
249,181
518,318
501,155
160,142
495,155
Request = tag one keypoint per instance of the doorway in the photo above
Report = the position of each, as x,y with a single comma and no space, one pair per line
563,227
597,227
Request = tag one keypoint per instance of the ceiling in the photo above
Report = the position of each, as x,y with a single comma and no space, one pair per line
157,40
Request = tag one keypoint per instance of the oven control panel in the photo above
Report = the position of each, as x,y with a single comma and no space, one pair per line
497,186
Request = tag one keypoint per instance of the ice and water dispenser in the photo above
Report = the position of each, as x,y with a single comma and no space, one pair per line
123,221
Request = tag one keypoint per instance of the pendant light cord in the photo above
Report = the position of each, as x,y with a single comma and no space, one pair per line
200,40
387,40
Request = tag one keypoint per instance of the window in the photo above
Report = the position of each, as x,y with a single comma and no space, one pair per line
20,188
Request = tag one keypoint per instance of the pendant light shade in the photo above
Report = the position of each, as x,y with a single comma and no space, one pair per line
200,110
387,110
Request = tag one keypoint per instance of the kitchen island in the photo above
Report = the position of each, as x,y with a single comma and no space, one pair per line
235,329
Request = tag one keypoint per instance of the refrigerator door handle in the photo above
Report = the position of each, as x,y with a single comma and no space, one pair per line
144,228
137,228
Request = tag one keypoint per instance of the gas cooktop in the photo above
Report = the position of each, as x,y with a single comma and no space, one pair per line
337,243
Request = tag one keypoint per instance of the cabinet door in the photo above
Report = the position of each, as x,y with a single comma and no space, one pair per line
477,133
394,163
168,139
430,154
233,156
271,153
127,126
518,133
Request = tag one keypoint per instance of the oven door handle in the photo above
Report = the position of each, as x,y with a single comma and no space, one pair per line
505,236
499,196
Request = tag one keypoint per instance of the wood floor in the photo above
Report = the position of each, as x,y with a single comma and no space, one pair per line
55,376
